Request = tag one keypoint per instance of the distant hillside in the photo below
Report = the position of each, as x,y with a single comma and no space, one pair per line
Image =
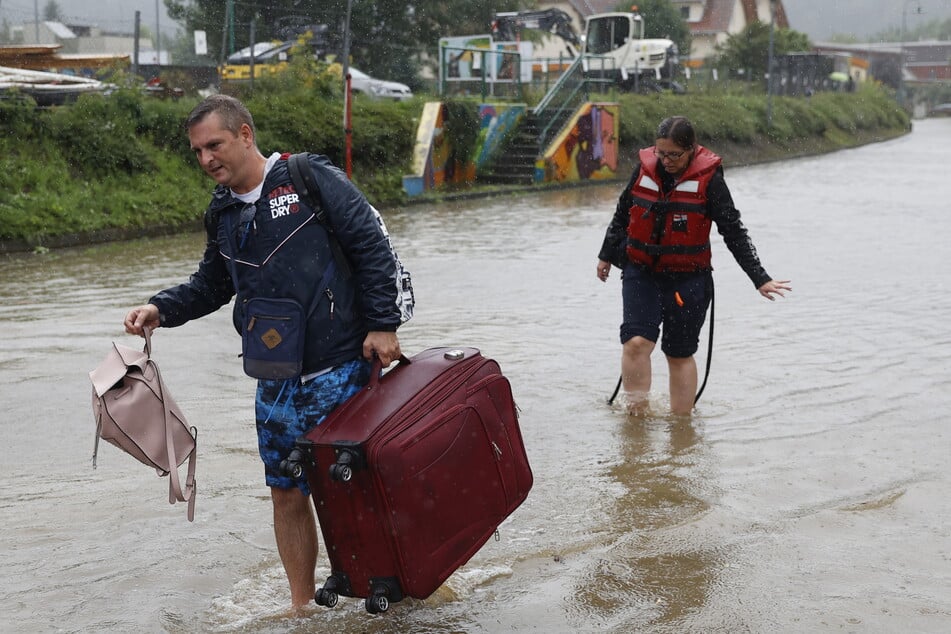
821,19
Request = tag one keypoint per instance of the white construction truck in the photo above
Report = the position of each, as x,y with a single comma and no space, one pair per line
613,44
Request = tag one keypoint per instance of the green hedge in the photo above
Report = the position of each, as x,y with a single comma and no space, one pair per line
122,161
742,118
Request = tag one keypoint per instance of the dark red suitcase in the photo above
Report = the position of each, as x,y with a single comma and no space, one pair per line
413,474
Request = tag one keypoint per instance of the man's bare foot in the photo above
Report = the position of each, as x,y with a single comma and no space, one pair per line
298,611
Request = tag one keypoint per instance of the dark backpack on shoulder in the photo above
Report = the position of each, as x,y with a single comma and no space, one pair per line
302,176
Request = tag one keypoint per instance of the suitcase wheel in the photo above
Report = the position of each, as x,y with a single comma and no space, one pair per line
293,465
341,472
377,603
347,461
326,598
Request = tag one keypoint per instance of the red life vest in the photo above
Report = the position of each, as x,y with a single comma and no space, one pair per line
670,231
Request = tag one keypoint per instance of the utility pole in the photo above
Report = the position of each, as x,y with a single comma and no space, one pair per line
231,22
347,128
158,37
901,52
135,45
251,66
224,32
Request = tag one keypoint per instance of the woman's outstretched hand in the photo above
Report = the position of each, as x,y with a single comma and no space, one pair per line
774,287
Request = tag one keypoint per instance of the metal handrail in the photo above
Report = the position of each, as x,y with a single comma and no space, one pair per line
571,75
562,97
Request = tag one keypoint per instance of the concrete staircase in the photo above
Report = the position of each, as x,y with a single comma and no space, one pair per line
515,163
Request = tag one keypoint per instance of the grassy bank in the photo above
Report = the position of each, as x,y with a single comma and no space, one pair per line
114,167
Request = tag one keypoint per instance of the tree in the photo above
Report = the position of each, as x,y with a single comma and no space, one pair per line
886,70
662,20
52,12
748,50
935,29
387,38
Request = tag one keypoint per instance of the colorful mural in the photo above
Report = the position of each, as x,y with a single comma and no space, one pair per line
434,163
587,149
460,57
495,121
480,57
429,152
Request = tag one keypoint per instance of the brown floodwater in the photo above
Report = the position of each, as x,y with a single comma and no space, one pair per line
808,492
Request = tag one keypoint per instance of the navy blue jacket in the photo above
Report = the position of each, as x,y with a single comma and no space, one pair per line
278,249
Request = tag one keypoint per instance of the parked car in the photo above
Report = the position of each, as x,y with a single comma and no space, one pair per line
941,110
362,83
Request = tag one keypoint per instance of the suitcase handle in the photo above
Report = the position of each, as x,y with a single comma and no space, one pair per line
376,371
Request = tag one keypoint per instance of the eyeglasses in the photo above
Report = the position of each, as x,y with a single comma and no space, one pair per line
673,156
246,223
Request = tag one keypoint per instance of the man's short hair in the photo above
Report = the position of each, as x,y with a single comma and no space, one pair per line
233,113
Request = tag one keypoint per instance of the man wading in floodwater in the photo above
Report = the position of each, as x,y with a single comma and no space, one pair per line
265,246
660,239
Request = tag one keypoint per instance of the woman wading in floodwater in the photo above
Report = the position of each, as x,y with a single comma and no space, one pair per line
660,239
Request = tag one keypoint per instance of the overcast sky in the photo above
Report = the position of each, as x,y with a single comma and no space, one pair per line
109,15
819,19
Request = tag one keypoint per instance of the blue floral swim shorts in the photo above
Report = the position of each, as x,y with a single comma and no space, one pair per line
285,409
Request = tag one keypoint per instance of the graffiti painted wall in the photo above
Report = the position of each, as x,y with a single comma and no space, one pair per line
429,152
495,121
586,149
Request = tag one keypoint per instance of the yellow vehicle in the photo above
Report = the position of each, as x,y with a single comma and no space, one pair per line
269,58
272,57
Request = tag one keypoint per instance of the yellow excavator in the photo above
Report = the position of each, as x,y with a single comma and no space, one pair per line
272,57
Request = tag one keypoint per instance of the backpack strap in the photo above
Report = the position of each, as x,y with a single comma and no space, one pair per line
175,491
302,176
305,184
